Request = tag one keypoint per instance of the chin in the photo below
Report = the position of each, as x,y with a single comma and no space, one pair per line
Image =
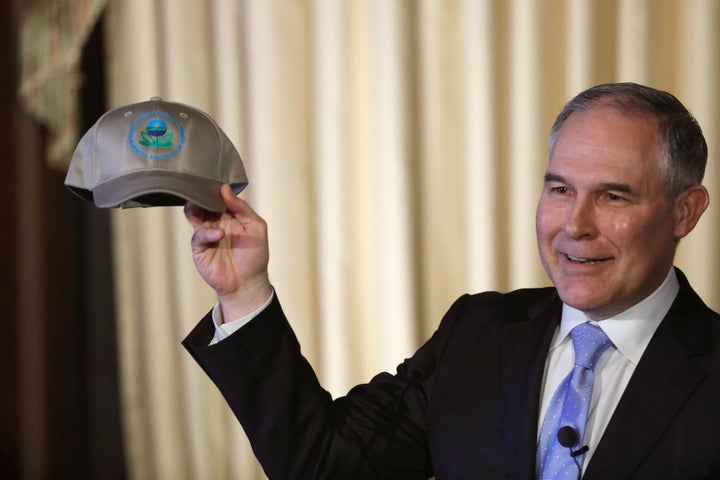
582,300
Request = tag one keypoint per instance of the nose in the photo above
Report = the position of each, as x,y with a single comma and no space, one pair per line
581,219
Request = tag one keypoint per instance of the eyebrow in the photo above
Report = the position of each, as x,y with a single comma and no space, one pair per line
612,186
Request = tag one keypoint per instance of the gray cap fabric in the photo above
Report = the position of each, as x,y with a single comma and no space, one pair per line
155,153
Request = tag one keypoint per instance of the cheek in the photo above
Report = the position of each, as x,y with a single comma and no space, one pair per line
538,217
547,226
625,232
546,221
542,235
623,225
637,232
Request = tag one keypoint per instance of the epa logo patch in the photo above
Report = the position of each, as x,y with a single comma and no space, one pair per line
156,135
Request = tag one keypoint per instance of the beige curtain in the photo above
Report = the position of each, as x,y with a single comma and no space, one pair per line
52,35
396,149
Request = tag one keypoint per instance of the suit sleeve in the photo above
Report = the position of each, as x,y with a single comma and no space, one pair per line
295,428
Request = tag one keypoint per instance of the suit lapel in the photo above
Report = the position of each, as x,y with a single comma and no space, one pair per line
665,372
525,343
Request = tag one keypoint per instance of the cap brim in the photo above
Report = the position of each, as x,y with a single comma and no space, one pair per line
161,187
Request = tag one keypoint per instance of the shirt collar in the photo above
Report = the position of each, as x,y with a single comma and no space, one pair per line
631,330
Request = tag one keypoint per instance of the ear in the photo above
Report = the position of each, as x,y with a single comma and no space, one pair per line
689,207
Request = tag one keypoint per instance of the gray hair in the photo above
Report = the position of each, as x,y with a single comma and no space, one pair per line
683,146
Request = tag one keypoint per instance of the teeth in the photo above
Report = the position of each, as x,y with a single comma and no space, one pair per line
584,261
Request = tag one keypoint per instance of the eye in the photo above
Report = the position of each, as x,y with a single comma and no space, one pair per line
614,197
560,189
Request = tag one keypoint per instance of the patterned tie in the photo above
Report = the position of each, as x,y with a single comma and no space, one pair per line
569,406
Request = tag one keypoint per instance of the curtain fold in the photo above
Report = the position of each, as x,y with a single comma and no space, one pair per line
396,149
52,35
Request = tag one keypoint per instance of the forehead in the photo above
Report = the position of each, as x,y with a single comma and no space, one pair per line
603,141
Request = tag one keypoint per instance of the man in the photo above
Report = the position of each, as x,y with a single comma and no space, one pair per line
478,401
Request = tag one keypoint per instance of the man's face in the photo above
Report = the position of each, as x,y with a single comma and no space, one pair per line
605,230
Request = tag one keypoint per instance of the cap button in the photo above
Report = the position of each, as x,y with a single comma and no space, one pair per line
156,99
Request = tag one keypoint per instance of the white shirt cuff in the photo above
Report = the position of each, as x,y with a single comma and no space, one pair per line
223,330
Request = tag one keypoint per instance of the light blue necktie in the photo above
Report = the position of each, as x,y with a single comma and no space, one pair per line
569,406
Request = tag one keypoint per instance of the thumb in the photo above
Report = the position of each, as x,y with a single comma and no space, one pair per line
237,206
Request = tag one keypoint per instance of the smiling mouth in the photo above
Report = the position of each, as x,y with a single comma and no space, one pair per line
584,261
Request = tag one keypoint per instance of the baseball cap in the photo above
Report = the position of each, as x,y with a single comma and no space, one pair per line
155,153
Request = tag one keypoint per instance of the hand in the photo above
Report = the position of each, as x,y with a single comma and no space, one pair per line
230,250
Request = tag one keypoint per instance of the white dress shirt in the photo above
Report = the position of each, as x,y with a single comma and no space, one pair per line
630,333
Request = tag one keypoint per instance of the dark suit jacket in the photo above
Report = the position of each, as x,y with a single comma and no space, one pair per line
469,398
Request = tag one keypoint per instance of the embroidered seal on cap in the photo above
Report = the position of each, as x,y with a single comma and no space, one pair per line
154,141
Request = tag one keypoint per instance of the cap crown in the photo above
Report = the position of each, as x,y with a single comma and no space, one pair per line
155,153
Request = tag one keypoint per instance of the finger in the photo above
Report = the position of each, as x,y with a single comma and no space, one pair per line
236,205
197,215
203,237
